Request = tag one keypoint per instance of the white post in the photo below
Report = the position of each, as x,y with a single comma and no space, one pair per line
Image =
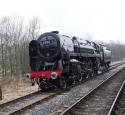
0,93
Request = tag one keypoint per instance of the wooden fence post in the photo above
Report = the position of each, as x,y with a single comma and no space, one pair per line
0,93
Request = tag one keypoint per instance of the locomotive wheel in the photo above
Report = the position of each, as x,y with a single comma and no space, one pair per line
88,76
73,81
95,72
101,69
106,67
92,74
43,88
80,78
62,83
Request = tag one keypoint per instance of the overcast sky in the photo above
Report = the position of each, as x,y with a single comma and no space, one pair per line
99,19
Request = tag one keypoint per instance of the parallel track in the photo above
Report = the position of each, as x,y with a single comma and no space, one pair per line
118,105
116,65
28,101
99,99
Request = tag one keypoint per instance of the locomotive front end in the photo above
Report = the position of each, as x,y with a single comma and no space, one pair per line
45,63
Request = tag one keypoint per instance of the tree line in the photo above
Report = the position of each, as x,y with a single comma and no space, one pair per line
117,50
15,36
14,39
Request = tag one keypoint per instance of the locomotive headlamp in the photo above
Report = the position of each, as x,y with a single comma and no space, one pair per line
53,75
28,75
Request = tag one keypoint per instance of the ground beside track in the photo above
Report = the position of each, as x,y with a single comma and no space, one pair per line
16,89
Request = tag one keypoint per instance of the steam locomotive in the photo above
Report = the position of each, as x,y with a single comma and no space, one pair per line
58,60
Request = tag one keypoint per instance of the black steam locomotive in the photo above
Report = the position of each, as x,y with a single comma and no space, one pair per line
58,60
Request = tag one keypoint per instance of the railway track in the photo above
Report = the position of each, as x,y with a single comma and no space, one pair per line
99,100
13,107
27,102
118,105
116,65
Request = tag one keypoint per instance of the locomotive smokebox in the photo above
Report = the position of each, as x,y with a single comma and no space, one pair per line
48,47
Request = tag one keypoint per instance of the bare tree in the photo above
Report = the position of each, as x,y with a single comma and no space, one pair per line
14,44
